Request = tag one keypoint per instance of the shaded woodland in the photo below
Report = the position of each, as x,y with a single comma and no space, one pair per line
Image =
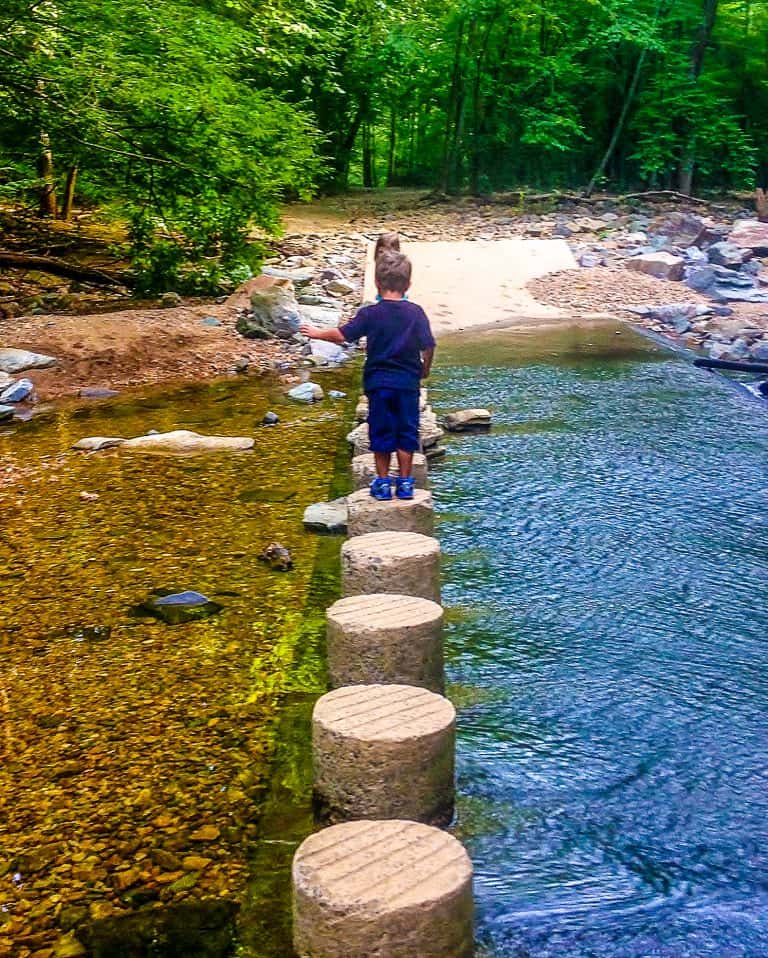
191,120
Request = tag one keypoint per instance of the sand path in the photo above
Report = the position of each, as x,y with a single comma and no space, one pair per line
464,285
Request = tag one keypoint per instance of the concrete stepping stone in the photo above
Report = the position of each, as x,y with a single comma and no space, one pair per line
366,514
393,889
384,751
402,562
364,470
385,639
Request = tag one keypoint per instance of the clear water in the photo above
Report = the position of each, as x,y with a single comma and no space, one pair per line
606,582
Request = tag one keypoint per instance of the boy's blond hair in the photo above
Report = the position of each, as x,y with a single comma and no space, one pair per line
386,243
393,273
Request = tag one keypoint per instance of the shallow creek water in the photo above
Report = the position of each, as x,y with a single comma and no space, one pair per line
604,578
135,754
606,584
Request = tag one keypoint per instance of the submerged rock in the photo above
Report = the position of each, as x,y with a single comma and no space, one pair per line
329,518
468,420
6,412
175,608
17,360
277,556
270,419
97,392
96,443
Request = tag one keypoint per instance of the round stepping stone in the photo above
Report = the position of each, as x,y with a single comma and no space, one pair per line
366,514
405,563
384,751
387,639
393,889
364,470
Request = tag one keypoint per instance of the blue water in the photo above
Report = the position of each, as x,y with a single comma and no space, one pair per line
606,581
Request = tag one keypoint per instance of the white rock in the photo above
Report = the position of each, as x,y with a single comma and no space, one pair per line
185,442
306,392
95,443
17,360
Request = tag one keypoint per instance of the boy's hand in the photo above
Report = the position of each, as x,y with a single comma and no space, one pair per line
306,329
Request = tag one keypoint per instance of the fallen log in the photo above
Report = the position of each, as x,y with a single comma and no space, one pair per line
732,364
59,267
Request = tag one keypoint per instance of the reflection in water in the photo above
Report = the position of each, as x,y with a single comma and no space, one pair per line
611,536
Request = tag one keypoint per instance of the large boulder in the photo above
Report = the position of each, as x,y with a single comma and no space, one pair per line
17,360
661,265
274,312
321,316
750,234
681,229
728,254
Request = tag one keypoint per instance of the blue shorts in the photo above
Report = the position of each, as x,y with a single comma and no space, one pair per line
393,419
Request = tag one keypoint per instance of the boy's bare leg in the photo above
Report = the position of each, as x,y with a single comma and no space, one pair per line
382,460
404,462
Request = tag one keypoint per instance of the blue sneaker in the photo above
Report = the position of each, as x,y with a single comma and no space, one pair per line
404,488
381,488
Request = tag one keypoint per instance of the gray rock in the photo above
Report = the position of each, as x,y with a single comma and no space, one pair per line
178,607
682,229
739,349
695,255
274,312
340,286
320,316
729,277
728,254
719,350
17,360
671,312
96,443
330,353
700,278
19,391
468,420
726,294
6,413
299,277
306,392
609,217
210,321
589,260
336,394
97,392
660,265
750,234
270,419
329,518
760,351
637,237
5,380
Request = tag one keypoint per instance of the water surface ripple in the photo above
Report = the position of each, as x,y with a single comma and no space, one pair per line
607,544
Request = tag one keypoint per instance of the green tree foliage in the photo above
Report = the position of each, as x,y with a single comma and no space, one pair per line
196,117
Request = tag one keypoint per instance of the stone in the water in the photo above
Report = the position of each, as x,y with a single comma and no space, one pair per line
277,556
175,608
270,419
17,360
6,412
18,391
96,443
88,633
661,265
330,353
185,442
759,351
306,392
468,420
336,394
97,392
327,517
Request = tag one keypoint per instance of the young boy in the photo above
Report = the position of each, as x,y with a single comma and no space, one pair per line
399,355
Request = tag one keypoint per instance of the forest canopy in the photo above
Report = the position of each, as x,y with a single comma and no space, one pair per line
195,118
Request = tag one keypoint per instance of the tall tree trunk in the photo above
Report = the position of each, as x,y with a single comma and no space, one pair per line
47,204
698,51
392,147
453,111
69,193
369,158
478,128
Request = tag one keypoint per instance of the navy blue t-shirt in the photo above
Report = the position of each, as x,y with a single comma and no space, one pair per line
397,332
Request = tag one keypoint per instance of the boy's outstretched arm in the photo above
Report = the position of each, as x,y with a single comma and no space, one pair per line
329,335
426,362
